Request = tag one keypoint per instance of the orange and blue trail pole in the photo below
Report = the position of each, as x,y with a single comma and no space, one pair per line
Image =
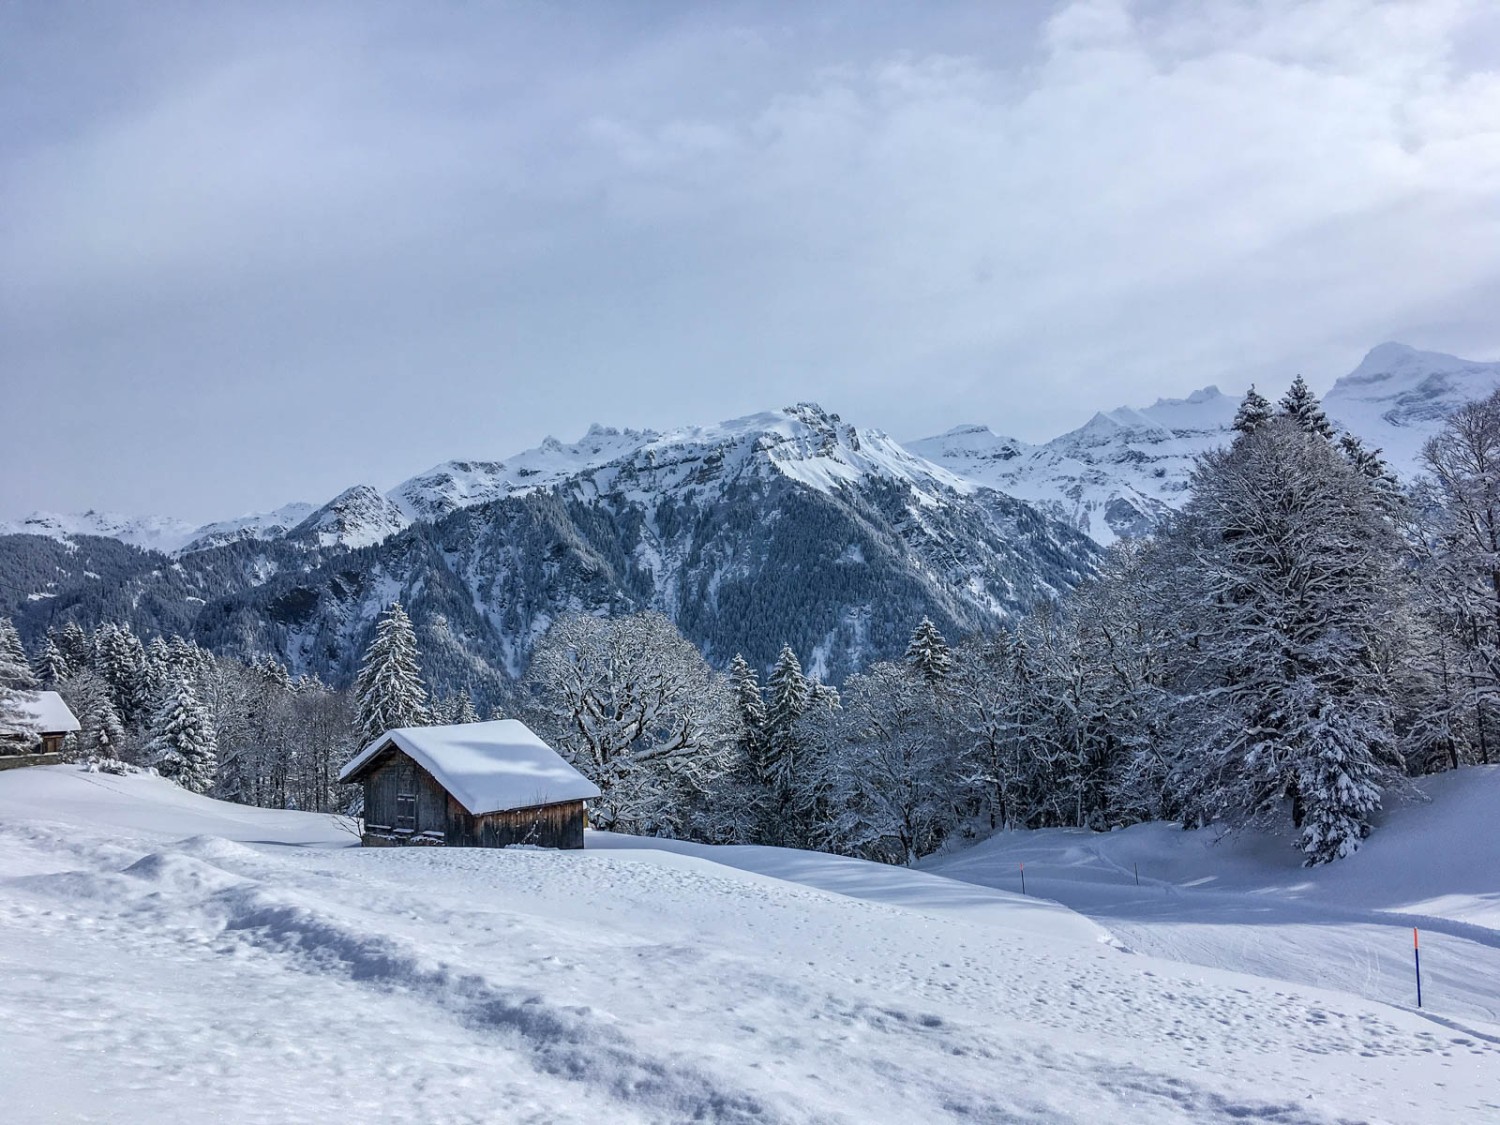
1416,952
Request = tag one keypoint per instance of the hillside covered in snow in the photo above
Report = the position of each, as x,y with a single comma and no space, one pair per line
785,527
1121,471
168,957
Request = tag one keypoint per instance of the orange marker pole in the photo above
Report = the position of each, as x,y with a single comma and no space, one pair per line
1416,953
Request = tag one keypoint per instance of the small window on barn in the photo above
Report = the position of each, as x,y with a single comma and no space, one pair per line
406,811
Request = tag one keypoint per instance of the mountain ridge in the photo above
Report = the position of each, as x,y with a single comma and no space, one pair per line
1117,474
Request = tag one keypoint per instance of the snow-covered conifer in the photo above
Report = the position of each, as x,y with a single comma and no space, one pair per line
15,670
120,659
928,653
1252,412
1303,407
158,674
790,695
76,647
464,710
751,706
52,667
274,672
389,687
183,744
1286,584
15,677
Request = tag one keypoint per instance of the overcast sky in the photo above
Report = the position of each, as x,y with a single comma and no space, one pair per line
258,252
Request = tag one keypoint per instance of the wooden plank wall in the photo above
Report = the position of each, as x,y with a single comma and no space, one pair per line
546,826
441,819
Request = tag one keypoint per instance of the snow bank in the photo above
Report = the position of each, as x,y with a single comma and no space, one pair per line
1244,901
148,977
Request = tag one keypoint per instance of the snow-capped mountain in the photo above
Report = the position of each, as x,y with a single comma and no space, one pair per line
803,443
1398,397
1116,475
1122,471
260,525
357,517
787,527
155,533
462,484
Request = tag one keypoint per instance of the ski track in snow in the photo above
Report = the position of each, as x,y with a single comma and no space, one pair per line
286,976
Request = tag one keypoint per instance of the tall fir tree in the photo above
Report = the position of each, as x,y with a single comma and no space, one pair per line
15,678
52,666
751,706
120,659
928,653
464,710
100,734
1303,407
183,745
790,695
158,675
389,687
1286,582
15,669
76,647
1253,412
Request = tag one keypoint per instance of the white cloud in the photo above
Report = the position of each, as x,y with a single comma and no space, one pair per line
949,219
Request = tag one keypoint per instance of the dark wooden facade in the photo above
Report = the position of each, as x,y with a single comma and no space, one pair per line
406,805
49,743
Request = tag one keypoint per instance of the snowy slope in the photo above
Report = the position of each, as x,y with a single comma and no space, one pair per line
257,525
1118,474
258,968
463,484
1123,470
357,517
1398,397
1244,901
157,533
804,443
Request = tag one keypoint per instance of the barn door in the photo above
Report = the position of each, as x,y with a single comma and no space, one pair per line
406,797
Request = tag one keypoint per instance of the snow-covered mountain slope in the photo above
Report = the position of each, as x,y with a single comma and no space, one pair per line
151,938
463,484
1398,397
1123,470
1433,862
803,443
789,527
259,525
156,533
1118,474
357,517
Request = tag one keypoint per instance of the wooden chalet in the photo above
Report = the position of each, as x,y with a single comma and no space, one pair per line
45,721
469,785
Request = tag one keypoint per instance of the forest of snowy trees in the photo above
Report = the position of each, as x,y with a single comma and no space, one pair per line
1301,637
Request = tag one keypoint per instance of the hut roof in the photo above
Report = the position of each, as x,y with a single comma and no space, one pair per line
45,713
487,767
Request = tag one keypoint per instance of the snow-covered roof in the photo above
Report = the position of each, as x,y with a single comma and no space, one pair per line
45,712
488,767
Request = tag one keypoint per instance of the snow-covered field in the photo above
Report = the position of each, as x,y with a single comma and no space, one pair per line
164,957
1243,901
